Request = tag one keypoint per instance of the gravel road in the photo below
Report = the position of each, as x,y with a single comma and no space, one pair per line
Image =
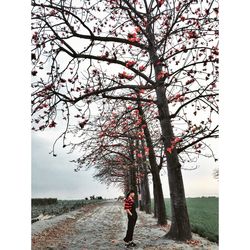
103,226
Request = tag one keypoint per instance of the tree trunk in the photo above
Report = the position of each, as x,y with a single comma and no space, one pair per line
160,209
139,166
126,181
132,172
139,196
146,192
142,202
155,201
160,203
180,227
146,200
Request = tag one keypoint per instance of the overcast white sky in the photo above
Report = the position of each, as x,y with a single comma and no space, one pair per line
55,176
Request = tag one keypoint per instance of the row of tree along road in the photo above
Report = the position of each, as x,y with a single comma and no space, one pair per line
134,83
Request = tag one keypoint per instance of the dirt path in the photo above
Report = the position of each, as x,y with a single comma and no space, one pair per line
103,226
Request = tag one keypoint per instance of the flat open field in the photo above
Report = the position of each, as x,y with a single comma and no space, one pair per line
203,215
60,207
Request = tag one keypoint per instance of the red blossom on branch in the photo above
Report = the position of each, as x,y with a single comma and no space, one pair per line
178,98
146,149
178,7
52,124
173,144
142,68
177,139
125,75
161,75
190,81
52,12
132,37
101,134
160,2
183,18
192,34
170,149
130,64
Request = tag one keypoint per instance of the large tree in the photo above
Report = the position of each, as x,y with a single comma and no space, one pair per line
167,50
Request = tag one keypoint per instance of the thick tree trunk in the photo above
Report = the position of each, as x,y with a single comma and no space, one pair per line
160,203
180,227
155,201
146,200
139,166
142,203
146,193
140,196
126,181
160,210
133,186
132,172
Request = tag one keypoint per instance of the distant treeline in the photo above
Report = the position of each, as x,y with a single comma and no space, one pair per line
43,201
94,198
49,201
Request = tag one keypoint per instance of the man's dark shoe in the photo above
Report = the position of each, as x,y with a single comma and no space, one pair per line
132,244
127,244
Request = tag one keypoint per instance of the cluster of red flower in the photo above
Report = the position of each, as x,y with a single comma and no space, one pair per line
130,64
190,81
192,34
142,68
52,124
146,150
132,37
160,2
178,98
173,143
161,75
125,75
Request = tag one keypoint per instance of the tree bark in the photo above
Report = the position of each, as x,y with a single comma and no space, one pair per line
146,193
155,201
180,226
132,172
142,203
126,181
139,182
160,210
